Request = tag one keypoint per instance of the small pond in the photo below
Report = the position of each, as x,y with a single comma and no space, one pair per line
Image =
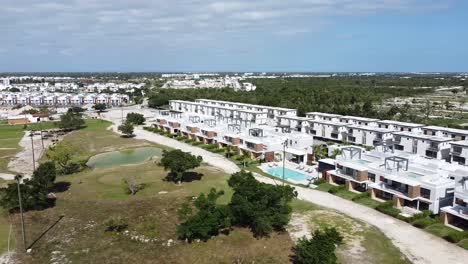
124,157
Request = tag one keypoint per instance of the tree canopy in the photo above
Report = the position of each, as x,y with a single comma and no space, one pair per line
100,107
66,156
209,219
260,206
71,120
126,128
178,162
135,118
320,249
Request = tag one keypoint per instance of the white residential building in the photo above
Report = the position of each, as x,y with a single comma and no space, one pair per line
423,145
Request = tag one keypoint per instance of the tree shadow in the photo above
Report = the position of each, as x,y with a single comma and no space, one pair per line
190,176
128,136
60,187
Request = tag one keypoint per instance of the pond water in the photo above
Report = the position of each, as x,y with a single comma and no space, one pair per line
124,157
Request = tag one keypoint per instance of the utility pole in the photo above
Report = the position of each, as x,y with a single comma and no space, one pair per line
284,156
32,149
42,139
18,179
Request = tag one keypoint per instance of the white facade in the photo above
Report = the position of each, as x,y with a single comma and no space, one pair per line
423,145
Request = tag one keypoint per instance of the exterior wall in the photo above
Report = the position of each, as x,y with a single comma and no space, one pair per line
362,175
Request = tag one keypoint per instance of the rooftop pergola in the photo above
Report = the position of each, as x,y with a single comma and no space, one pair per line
351,152
284,128
234,127
398,161
256,132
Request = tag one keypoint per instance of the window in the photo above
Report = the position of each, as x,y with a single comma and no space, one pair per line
371,177
425,193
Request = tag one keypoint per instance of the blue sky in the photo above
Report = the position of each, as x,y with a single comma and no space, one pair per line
239,35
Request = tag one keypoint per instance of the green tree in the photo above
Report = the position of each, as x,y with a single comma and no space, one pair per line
66,155
126,128
135,118
320,249
260,206
335,153
179,162
45,174
100,107
228,151
207,222
319,152
71,120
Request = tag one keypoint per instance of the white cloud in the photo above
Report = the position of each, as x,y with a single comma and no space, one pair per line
74,25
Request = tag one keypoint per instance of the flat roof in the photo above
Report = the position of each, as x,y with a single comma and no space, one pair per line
405,124
463,143
359,118
422,136
323,114
447,129
369,128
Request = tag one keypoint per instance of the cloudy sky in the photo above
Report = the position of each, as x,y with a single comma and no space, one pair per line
239,35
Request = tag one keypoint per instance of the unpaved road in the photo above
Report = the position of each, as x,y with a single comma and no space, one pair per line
417,245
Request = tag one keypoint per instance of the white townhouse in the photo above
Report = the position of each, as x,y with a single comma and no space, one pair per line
400,126
360,121
370,136
323,116
295,123
422,145
459,152
453,133
408,180
456,215
328,130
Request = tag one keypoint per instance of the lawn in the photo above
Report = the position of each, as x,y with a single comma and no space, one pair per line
4,233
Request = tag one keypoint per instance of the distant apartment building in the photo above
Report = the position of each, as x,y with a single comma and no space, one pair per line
423,145
60,99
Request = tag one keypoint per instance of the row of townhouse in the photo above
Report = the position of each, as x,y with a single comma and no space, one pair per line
259,141
407,180
60,99
229,109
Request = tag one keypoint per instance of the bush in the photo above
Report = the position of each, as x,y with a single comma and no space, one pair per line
115,224
320,249
361,196
319,181
387,208
335,189
423,222
135,118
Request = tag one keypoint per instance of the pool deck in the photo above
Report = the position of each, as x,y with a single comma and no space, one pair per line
294,167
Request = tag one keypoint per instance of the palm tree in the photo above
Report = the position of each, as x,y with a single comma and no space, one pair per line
244,159
318,152
335,153
228,151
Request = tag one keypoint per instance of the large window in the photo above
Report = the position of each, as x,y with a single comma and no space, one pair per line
371,177
425,193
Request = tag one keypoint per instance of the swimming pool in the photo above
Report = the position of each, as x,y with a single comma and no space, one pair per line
288,174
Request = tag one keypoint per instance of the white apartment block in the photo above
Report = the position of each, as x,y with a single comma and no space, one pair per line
423,145
456,215
407,180
400,126
259,141
323,116
453,133
294,123
371,136
459,152
328,130
60,99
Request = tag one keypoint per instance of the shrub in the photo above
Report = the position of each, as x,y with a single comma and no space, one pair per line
335,189
387,208
361,196
320,249
423,222
319,181
115,224
454,237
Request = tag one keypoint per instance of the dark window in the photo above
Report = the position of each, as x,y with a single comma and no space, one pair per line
425,193
371,177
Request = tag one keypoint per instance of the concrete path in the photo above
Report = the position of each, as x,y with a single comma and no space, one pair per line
419,246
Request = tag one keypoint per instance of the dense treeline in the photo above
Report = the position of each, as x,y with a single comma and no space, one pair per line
341,95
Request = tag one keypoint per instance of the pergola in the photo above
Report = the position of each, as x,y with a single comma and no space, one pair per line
398,161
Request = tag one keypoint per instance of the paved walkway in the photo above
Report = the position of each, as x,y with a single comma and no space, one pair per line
419,246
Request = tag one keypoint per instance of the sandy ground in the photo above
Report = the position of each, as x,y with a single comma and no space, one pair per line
419,246
23,162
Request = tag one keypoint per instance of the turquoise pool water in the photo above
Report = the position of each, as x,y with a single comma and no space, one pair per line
125,157
288,174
